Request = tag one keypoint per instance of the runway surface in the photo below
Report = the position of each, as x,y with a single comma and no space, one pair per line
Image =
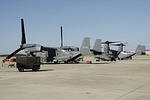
120,80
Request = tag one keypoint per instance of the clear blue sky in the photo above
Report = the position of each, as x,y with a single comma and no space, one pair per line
114,20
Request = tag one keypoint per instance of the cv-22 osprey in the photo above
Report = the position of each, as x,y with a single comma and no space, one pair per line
49,54
123,54
109,54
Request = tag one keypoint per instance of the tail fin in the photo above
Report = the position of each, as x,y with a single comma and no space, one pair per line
140,50
97,46
85,47
23,41
143,49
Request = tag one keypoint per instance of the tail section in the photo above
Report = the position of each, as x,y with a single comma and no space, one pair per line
85,47
143,49
140,50
98,45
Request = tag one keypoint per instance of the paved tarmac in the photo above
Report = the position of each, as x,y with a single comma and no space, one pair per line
120,80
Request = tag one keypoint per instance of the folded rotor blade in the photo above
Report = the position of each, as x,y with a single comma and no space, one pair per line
61,37
109,42
23,41
126,43
116,44
120,44
12,54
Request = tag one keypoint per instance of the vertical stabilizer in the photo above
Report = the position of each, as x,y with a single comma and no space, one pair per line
138,50
85,47
97,45
143,49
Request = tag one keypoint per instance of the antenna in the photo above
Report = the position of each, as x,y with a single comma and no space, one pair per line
61,37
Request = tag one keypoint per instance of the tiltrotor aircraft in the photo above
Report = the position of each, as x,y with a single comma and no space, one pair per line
123,55
107,54
49,54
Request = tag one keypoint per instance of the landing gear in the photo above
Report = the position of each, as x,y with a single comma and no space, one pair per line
97,60
66,62
55,62
112,59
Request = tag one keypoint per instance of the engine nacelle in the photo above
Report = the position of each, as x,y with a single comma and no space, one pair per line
32,48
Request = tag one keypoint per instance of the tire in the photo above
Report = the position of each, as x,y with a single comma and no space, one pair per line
21,69
55,62
66,62
36,68
97,60
111,59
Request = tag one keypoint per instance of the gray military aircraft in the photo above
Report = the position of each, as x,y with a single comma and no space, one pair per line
107,55
140,50
124,55
48,54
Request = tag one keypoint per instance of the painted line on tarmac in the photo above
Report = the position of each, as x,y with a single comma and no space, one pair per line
132,91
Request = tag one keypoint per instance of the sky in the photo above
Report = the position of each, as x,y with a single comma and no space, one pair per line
113,20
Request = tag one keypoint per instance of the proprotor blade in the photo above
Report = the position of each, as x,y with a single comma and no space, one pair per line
120,44
108,42
12,54
23,41
61,37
